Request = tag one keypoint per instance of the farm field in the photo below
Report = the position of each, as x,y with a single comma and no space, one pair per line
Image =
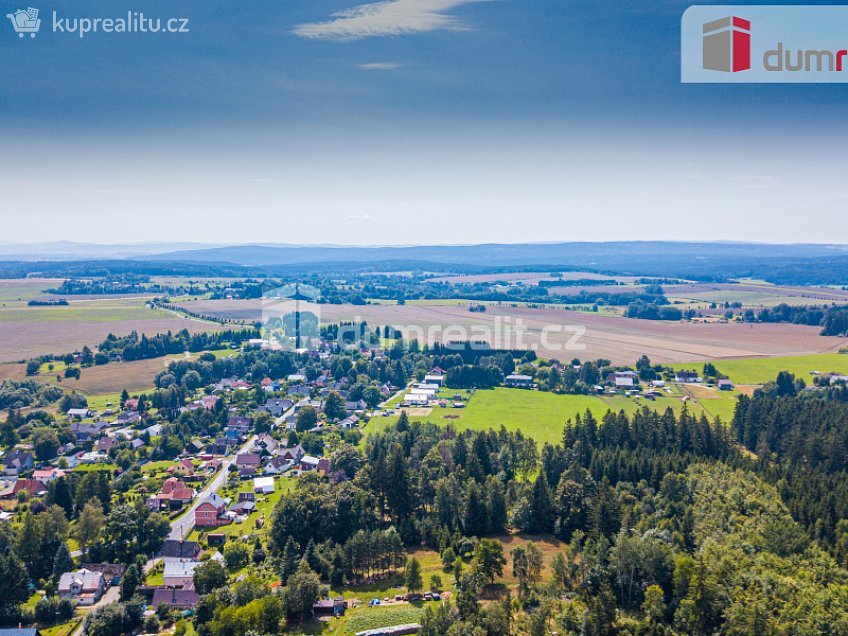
108,379
754,294
528,277
24,289
29,332
762,370
622,340
539,415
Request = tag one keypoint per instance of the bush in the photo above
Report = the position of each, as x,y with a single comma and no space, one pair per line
236,555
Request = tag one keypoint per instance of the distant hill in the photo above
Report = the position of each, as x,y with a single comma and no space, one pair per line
593,255
795,264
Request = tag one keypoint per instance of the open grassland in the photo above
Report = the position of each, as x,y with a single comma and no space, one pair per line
22,290
622,340
541,416
765,369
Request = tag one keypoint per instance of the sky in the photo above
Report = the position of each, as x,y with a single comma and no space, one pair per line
403,122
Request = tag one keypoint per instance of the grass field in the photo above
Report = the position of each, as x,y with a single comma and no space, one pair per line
762,370
539,415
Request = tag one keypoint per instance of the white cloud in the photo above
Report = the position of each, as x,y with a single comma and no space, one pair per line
359,217
380,66
388,17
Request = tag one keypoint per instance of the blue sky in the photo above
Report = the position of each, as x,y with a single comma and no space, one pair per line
404,121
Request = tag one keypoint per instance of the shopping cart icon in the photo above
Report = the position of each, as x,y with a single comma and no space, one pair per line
25,21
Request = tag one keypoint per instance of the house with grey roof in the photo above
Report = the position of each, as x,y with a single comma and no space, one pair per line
84,586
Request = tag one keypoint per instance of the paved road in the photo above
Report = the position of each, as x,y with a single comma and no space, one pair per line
182,526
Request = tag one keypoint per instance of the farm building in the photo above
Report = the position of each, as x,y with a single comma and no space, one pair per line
264,485
686,376
519,381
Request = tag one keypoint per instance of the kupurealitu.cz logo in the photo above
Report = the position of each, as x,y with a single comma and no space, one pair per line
27,21
770,44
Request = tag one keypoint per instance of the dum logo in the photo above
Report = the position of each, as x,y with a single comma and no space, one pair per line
727,45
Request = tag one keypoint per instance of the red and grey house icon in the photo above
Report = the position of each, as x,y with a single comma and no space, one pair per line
727,45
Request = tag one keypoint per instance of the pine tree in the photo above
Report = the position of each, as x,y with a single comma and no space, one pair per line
129,583
290,559
62,562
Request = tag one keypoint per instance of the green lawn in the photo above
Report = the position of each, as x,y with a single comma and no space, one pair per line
364,618
762,370
264,505
540,415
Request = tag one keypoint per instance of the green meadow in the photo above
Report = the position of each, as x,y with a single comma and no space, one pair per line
538,414
762,370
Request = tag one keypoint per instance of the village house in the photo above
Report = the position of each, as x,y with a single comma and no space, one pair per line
276,407
208,513
307,462
17,462
248,464
105,444
266,444
173,495
725,385
183,468
128,418
194,447
79,414
299,390
221,446
179,550
179,573
239,425
207,403
175,599
292,454
112,572
84,432
685,377
356,407
519,381
277,465
33,487
46,475
349,422
83,586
